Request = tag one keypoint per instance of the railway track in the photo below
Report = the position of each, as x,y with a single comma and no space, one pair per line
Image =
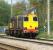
26,44
37,40
8,47
4,46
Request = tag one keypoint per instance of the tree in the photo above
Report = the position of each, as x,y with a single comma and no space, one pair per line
4,12
18,8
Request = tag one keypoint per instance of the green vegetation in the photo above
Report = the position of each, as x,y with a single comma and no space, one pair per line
18,8
4,13
44,34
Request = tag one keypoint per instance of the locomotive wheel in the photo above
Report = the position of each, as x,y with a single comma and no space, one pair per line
18,33
22,35
7,32
31,35
11,33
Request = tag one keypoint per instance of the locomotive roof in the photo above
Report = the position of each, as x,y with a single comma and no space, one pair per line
29,11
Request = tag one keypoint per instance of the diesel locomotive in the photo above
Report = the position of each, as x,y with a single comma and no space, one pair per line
23,25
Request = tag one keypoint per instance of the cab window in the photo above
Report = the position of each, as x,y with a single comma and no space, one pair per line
35,18
25,18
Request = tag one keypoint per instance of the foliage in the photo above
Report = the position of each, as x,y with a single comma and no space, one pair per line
18,8
4,12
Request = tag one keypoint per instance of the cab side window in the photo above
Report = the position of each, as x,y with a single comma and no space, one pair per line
35,18
25,18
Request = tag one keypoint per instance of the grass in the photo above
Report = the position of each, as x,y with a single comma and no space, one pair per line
44,34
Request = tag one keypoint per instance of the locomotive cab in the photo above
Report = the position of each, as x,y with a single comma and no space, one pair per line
30,24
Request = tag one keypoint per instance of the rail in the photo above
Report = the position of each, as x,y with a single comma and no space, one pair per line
27,44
